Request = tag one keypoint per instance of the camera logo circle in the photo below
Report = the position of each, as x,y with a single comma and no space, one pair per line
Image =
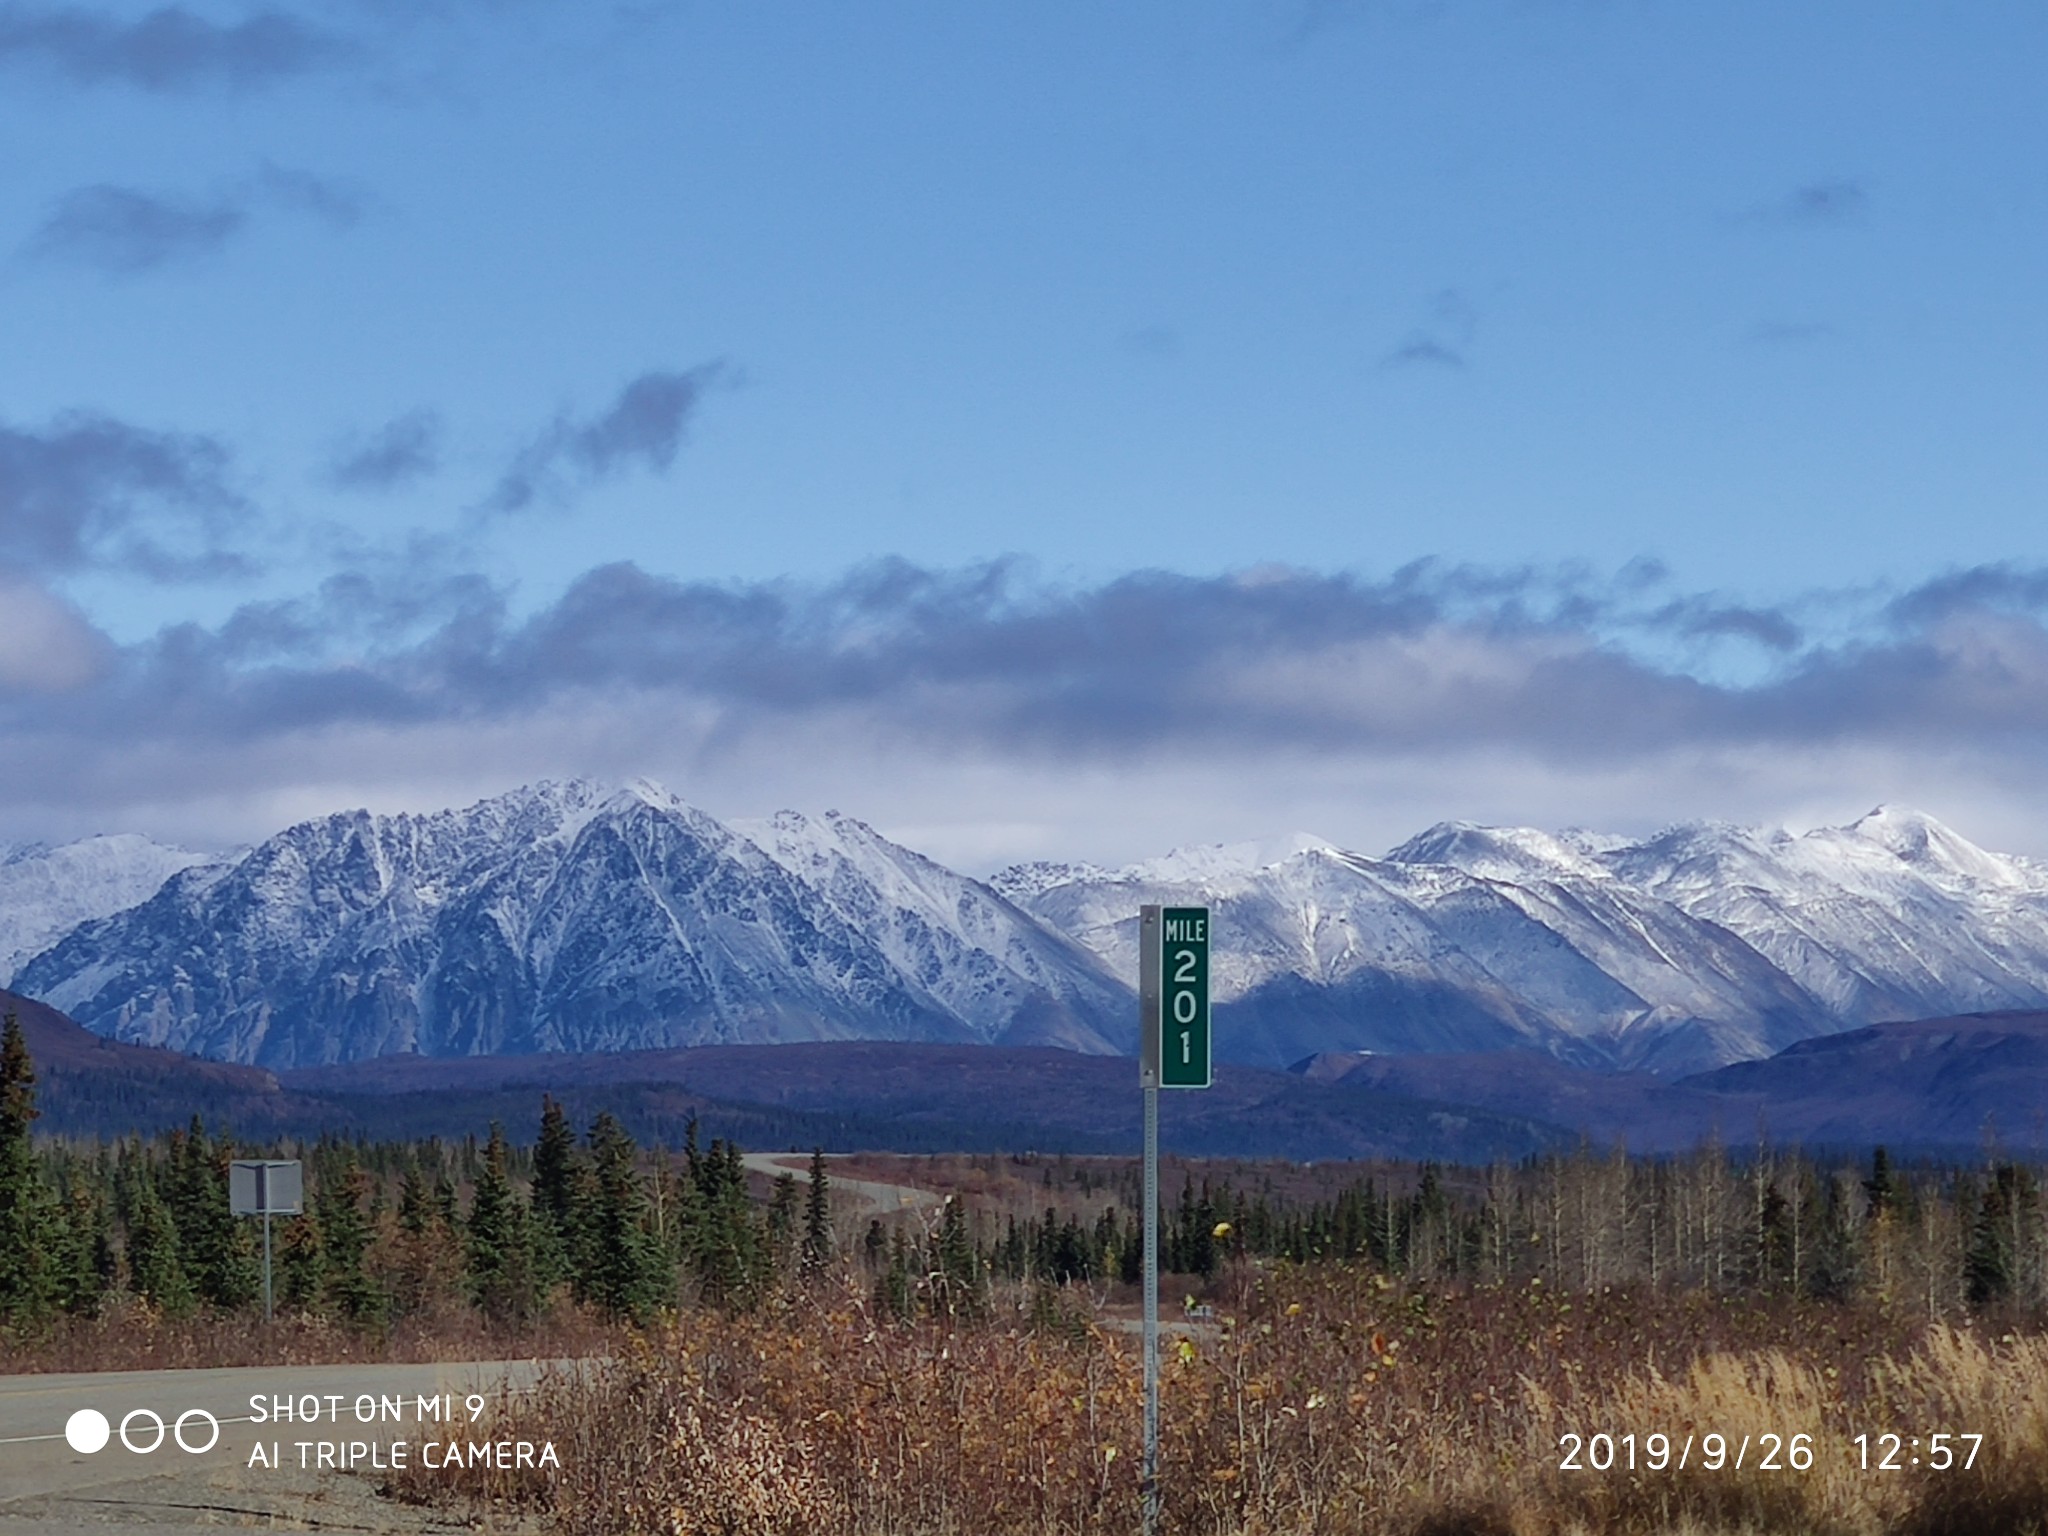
142,1413
87,1431
197,1415
142,1431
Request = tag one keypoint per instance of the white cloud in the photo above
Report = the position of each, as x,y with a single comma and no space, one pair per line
46,645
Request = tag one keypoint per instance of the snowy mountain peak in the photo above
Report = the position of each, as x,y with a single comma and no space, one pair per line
1023,883
1223,861
1918,839
1497,853
647,792
553,811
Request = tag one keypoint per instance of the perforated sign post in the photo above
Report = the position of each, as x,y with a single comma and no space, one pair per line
1173,1052
266,1187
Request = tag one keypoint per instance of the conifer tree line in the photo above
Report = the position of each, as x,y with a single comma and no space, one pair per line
394,1230
398,1230
1941,1239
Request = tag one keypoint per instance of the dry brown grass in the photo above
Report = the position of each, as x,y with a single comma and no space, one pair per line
1998,1387
1949,1381
1332,1402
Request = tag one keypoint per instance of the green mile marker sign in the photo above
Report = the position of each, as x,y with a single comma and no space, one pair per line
1174,980
1173,1052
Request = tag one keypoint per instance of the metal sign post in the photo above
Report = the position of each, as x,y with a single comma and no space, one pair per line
1173,1052
266,1187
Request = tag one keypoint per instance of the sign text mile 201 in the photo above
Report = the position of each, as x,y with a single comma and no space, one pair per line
1174,976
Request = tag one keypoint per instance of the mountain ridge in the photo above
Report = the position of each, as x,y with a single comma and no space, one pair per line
561,917
578,916
1702,944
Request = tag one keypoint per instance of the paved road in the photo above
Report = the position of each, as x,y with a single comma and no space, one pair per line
143,1486
880,1198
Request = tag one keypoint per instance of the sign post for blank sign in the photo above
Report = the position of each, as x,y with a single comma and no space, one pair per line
266,1187
1173,1052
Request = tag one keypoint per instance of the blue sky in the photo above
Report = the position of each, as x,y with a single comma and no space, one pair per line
399,401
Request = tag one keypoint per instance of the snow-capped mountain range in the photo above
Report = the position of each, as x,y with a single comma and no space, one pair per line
571,917
1705,944
589,917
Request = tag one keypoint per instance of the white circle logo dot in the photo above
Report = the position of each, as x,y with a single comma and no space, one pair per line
87,1431
194,1416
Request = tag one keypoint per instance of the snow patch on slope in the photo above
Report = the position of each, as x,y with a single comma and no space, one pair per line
46,892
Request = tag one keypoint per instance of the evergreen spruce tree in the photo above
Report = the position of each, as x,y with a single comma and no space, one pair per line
1106,1251
693,1156
1881,1188
415,1204
82,1262
446,1204
219,1252
627,1274
1131,1261
874,1246
339,1201
1769,1252
818,1244
956,1266
500,1246
299,1268
1174,1229
156,1266
561,1189
2004,1220
895,1292
554,1155
729,1257
1198,1241
27,1286
425,1264
1838,1258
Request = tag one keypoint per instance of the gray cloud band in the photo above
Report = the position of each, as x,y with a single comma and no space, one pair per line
404,450
167,49
983,660
124,230
643,427
88,491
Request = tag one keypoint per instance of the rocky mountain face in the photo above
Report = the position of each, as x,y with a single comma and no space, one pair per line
571,918
582,917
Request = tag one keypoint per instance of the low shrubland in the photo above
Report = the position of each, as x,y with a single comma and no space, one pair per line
1325,1399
